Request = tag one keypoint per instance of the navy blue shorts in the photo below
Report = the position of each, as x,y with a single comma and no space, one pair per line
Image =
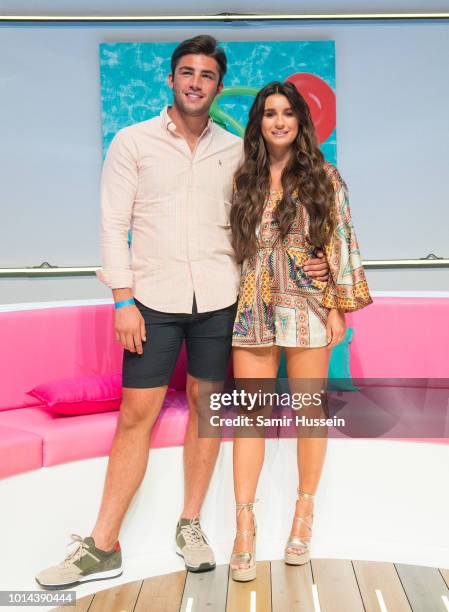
208,338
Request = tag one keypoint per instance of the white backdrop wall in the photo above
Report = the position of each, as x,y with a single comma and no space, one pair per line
392,137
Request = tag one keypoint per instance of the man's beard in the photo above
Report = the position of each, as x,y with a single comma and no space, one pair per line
180,103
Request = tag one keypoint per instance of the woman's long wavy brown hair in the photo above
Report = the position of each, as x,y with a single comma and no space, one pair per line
303,178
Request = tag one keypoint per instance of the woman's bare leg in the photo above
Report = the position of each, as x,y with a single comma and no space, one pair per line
248,453
307,371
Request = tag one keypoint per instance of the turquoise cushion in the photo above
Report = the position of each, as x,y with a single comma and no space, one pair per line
339,365
339,373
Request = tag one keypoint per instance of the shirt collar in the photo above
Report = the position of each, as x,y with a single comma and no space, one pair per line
169,125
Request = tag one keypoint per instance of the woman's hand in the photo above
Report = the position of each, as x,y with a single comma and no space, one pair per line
336,327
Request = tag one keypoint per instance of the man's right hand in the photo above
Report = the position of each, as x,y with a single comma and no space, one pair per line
130,328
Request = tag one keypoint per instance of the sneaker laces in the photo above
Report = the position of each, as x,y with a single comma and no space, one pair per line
193,534
75,555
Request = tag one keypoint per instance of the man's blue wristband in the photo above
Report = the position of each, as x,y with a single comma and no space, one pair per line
129,302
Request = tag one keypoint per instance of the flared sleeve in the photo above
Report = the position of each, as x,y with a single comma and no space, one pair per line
346,288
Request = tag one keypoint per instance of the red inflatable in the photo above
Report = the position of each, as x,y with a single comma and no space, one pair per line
321,100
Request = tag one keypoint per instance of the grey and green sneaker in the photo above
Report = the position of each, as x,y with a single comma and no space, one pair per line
193,546
84,564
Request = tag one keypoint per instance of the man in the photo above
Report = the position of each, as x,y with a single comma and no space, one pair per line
170,179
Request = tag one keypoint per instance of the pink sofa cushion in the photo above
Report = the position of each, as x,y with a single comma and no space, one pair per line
179,376
20,451
83,395
90,435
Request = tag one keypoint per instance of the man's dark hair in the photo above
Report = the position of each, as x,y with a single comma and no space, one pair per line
200,45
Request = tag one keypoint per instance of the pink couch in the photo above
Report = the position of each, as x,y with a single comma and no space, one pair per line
395,337
401,337
62,343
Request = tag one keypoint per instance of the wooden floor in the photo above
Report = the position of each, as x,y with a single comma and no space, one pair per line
321,585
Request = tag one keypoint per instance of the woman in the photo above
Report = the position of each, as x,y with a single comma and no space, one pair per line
287,202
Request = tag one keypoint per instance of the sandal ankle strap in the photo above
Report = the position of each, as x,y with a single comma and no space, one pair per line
303,519
244,532
304,494
241,506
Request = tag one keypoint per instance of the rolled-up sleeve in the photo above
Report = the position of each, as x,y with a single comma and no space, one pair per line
118,192
347,288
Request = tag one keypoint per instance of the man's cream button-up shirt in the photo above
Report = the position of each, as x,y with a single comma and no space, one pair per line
177,205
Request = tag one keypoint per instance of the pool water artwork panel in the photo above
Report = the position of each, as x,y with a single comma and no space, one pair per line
134,83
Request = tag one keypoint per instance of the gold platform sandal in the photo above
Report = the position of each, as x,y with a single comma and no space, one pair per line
248,558
299,558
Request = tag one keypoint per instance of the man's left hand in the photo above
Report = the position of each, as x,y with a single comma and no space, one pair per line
317,267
